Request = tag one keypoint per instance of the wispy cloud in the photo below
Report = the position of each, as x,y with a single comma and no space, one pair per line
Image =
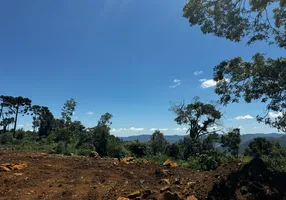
131,129
90,113
241,127
196,73
21,125
158,129
244,117
275,115
180,129
176,83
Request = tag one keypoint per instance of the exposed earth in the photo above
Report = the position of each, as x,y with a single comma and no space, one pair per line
40,175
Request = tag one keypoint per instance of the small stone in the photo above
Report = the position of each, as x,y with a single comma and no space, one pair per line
192,198
165,181
60,185
177,181
166,188
170,196
122,198
134,194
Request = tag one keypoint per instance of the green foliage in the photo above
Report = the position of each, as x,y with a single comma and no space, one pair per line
158,143
173,150
68,110
236,19
231,141
115,148
137,148
258,147
6,138
211,159
198,116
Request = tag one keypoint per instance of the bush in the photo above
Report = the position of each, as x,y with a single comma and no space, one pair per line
6,138
173,150
137,148
60,148
211,159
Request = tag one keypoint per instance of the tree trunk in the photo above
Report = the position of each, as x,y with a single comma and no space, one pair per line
15,124
1,110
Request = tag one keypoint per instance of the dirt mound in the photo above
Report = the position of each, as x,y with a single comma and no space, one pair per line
252,181
76,177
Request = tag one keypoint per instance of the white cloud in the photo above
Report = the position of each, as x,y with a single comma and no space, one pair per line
176,82
196,73
244,117
90,113
131,129
207,83
159,129
241,127
275,115
180,129
21,125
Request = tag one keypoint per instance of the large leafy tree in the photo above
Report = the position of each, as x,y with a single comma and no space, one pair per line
263,20
231,141
46,121
158,143
199,116
68,110
101,133
262,79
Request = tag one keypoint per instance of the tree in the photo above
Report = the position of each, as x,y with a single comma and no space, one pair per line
101,133
173,150
158,143
68,110
263,79
258,147
22,106
198,116
237,19
46,121
6,110
231,141
35,109
138,148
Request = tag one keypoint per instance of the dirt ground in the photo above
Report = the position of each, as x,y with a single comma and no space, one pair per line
48,176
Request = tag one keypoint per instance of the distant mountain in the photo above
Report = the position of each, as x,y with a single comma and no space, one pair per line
281,138
175,138
146,138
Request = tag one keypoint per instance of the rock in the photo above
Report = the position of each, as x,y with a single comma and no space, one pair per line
146,193
134,194
127,160
170,196
161,173
170,163
9,167
192,198
122,198
177,181
165,181
243,190
166,188
145,161
52,152
18,174
94,154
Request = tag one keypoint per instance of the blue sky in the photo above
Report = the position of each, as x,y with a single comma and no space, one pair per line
117,56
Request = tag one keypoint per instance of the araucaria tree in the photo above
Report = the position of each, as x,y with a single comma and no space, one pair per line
262,79
198,116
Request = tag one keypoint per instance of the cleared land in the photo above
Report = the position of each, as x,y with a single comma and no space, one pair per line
47,176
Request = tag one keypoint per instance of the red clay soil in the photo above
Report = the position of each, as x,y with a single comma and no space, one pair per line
73,177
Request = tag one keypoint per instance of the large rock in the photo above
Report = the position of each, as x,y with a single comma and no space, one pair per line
170,163
93,154
127,160
9,167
